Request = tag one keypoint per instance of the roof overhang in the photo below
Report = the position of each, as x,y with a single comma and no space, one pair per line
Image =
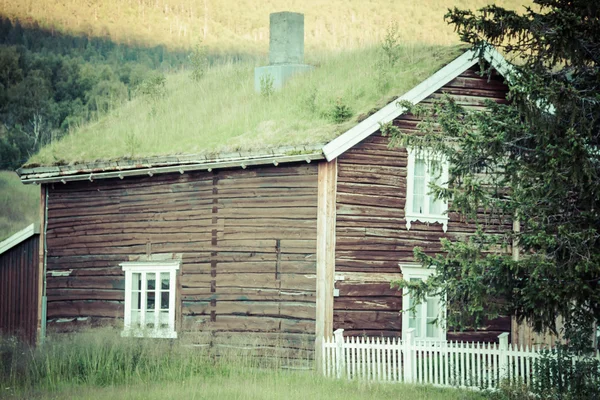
162,165
393,110
19,237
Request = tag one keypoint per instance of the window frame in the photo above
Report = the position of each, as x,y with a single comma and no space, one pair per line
425,217
410,271
157,267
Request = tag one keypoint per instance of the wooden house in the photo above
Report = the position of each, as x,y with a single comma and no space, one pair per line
276,246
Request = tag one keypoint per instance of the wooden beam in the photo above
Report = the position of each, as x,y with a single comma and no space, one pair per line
326,217
41,264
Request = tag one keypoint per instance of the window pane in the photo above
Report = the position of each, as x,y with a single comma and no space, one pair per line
164,319
150,319
135,318
419,187
136,283
164,280
433,309
136,300
164,300
150,300
151,280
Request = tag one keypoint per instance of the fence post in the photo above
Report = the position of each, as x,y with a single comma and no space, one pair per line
503,357
339,352
409,355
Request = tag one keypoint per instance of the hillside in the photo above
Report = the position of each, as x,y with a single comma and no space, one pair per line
242,25
19,204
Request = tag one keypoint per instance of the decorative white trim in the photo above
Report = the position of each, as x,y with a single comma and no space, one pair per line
412,270
388,113
150,267
19,237
425,217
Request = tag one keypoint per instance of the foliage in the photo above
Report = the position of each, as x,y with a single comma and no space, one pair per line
535,161
266,85
340,112
390,47
51,84
198,59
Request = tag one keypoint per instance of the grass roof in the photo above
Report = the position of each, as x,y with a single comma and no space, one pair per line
222,113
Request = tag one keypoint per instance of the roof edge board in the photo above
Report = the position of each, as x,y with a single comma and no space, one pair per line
367,127
54,178
19,237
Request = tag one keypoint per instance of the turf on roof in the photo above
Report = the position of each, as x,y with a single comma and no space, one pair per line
222,113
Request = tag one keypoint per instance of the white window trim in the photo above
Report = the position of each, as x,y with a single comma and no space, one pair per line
410,176
418,271
150,267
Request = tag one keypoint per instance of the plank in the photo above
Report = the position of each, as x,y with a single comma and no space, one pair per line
66,309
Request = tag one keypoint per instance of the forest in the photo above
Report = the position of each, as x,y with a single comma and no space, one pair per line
51,83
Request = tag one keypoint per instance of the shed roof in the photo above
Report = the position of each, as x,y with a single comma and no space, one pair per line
19,237
311,141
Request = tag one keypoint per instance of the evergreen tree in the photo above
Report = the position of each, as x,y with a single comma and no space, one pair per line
535,161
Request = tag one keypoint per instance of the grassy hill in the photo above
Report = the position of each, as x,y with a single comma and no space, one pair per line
242,25
19,204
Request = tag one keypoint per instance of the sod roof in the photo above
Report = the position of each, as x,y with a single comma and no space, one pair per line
221,117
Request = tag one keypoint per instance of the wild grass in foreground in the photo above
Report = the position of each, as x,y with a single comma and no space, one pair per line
19,204
102,365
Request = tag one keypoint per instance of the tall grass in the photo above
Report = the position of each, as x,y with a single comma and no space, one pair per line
19,204
100,364
98,358
222,112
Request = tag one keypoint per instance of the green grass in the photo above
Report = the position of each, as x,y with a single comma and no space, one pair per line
19,204
101,365
222,113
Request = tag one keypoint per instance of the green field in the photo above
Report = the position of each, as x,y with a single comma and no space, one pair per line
102,365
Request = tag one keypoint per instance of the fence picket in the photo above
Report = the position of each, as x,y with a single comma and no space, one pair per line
481,365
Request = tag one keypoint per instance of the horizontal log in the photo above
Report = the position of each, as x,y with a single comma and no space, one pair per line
356,320
234,323
298,310
374,289
85,282
66,309
387,303
59,294
243,294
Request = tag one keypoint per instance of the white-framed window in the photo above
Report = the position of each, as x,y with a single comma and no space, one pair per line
424,169
150,299
428,318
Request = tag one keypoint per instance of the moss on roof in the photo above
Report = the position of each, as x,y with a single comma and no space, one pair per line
222,113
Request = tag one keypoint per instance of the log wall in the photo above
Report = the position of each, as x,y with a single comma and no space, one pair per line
19,268
371,234
246,240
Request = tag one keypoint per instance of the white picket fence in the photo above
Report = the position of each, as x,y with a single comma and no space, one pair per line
447,363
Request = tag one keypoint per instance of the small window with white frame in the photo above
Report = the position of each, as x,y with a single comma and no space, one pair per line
150,299
428,317
424,169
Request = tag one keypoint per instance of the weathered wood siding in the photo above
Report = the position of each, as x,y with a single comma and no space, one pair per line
246,238
371,230
19,270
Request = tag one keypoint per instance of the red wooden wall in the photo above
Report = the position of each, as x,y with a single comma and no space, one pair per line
19,274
